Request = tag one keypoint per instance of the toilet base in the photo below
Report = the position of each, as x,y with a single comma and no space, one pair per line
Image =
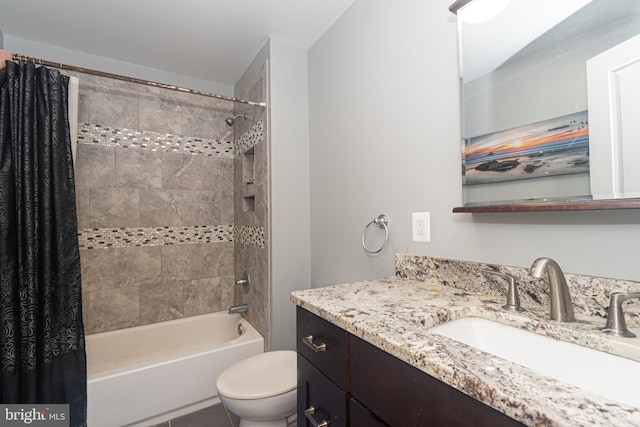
274,411
249,423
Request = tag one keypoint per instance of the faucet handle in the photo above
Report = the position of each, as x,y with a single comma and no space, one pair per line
245,280
616,325
513,298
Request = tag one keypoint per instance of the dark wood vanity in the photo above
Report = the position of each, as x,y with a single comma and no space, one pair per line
345,381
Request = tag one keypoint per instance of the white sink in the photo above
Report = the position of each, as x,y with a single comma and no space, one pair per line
602,373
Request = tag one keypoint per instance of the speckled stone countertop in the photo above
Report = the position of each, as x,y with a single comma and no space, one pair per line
394,314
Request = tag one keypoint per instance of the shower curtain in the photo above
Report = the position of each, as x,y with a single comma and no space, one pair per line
42,356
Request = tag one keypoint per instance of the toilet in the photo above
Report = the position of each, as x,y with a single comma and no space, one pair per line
261,389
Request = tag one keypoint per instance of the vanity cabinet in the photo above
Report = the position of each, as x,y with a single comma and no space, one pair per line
350,382
323,371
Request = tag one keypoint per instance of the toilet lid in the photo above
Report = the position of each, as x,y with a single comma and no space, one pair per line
264,375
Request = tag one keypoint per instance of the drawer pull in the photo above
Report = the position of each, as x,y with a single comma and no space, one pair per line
309,414
315,347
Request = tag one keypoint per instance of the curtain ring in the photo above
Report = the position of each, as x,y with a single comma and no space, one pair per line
381,221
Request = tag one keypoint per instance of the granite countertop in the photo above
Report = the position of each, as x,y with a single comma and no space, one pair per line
394,314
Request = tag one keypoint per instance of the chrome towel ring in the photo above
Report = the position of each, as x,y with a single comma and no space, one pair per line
381,221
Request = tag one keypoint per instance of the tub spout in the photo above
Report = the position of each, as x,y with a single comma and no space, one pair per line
239,309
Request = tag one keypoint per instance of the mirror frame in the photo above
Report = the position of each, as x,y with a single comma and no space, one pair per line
543,204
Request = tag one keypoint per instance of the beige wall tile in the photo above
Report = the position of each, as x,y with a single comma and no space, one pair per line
161,208
95,166
161,302
114,207
137,187
139,168
160,114
82,206
137,266
202,296
182,171
217,259
97,266
182,262
217,174
113,309
115,106
200,120
200,208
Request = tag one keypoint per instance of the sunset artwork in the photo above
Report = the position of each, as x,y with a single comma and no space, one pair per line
557,146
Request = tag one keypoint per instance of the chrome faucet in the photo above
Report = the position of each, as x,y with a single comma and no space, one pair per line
561,307
245,280
239,309
616,324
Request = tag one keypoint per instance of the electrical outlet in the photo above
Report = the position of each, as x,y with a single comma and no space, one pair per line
421,226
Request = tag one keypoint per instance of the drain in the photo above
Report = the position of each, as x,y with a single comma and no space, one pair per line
240,329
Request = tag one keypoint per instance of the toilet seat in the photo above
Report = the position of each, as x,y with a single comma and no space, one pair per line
261,376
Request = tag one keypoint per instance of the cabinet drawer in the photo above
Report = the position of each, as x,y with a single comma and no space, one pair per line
402,395
325,345
319,398
362,417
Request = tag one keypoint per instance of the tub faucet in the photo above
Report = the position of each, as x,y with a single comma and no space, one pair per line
561,307
616,324
245,280
239,309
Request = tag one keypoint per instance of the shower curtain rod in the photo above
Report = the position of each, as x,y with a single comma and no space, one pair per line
61,66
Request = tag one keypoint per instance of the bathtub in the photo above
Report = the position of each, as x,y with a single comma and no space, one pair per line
149,374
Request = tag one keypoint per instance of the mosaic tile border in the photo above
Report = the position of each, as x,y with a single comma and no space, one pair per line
112,137
250,138
103,238
253,236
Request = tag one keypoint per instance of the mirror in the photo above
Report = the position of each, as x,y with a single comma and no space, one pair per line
525,112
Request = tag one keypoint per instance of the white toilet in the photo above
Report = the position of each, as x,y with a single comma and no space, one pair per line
261,389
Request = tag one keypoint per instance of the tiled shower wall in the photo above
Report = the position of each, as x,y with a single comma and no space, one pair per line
251,183
155,193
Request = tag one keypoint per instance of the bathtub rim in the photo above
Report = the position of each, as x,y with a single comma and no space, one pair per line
250,334
102,400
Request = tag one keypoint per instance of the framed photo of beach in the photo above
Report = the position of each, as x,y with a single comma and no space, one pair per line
556,146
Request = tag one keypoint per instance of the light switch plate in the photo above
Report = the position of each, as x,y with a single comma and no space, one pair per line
421,226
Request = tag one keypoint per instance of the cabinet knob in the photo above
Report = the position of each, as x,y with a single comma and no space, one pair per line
308,341
309,412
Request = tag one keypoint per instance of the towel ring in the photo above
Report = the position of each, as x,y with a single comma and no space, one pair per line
381,221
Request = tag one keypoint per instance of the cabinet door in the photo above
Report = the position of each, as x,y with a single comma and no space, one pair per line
325,345
319,399
402,395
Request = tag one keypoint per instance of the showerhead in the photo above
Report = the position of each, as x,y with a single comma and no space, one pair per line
230,120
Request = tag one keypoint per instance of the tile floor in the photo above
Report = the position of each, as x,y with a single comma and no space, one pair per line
212,416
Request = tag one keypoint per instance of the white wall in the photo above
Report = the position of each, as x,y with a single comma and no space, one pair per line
384,137
289,192
290,208
94,62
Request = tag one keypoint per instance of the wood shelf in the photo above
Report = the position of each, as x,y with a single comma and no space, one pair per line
584,205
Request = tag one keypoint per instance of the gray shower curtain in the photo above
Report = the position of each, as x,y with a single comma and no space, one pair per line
42,353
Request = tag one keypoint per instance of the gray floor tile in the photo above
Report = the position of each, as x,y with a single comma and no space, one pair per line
212,416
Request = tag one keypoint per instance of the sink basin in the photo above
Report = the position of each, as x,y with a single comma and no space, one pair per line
601,373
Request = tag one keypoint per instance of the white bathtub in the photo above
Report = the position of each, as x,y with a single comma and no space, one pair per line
152,373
